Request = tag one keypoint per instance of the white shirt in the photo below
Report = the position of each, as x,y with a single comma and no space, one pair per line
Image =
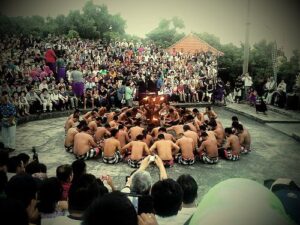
247,81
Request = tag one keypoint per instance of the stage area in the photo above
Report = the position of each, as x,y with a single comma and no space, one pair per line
274,155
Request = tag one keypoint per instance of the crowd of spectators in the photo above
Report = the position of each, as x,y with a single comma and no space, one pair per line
45,75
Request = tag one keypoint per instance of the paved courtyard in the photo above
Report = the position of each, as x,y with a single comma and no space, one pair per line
274,155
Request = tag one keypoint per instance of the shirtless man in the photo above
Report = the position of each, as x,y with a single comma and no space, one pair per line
165,150
172,117
138,150
244,138
69,140
71,123
218,131
192,134
154,132
101,133
114,122
89,116
192,123
147,138
177,128
210,113
199,116
163,130
208,151
210,133
94,124
123,136
84,145
111,149
186,145
232,146
135,131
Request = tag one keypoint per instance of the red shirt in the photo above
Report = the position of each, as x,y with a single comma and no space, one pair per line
50,56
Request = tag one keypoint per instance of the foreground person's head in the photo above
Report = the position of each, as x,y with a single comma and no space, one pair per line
111,209
167,197
189,187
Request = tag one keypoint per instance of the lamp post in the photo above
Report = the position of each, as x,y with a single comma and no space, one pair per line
246,45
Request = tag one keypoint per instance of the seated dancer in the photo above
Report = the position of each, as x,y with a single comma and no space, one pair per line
199,116
91,115
69,140
163,130
71,122
147,138
178,129
138,149
244,138
135,131
172,118
94,124
122,135
114,122
208,151
165,150
218,131
111,149
101,133
192,123
192,134
187,147
84,145
211,114
232,146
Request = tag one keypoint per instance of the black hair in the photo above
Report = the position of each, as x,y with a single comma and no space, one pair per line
13,163
204,134
120,127
35,167
161,136
81,124
195,110
203,127
49,194
24,157
83,191
171,110
140,137
189,187
240,127
212,123
234,118
104,210
115,117
114,132
22,187
235,124
228,130
186,127
167,197
163,129
64,172
107,125
208,107
79,168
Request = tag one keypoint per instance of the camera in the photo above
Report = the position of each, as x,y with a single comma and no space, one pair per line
152,158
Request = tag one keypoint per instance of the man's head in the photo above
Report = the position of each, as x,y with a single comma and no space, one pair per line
161,136
140,137
162,130
204,136
114,132
15,165
240,127
189,187
112,208
83,191
141,182
186,127
64,173
167,197
25,158
228,131
78,168
234,119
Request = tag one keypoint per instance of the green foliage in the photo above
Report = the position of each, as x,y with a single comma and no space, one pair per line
166,33
93,22
73,34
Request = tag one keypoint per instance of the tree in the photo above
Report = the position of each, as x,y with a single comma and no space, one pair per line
166,33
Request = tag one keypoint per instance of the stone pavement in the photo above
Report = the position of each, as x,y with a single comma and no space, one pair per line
285,121
274,155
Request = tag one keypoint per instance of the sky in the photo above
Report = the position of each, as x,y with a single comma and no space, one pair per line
269,19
